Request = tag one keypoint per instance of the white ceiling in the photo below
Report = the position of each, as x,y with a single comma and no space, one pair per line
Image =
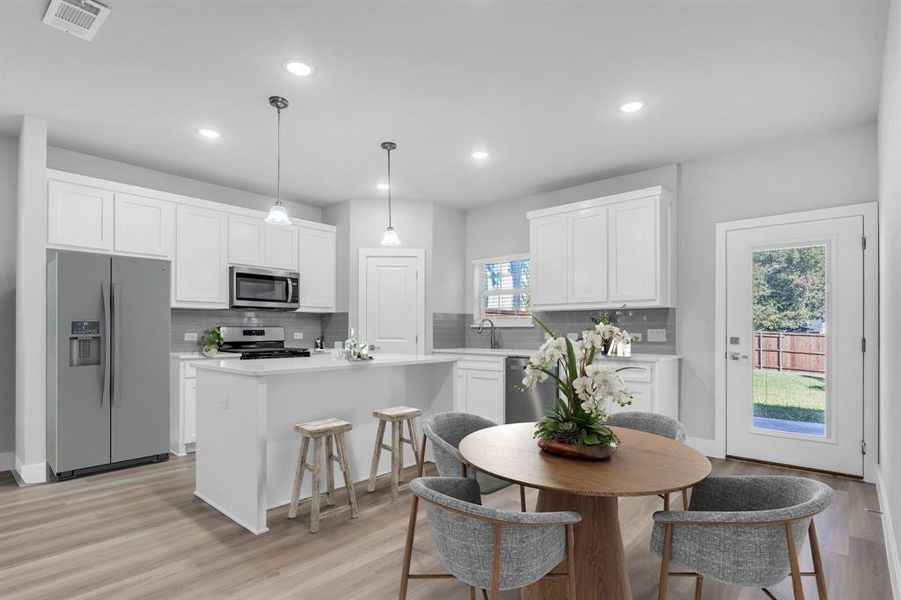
536,83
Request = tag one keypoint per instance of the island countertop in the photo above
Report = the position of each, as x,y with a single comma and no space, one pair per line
314,363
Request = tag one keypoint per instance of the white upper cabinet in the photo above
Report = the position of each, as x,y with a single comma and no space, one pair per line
634,252
610,252
79,216
281,247
253,242
548,255
317,268
144,226
246,243
587,277
201,262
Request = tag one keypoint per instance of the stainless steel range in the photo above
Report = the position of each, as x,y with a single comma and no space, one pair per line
258,342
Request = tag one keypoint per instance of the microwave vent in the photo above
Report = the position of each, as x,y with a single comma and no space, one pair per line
81,18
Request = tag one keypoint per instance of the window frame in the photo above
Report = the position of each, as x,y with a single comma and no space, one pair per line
478,291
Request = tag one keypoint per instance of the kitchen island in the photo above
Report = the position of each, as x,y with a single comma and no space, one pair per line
246,411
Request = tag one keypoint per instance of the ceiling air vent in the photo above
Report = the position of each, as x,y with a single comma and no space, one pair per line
81,18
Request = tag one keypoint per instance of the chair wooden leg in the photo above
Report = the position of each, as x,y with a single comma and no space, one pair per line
396,460
817,561
684,499
571,561
484,595
376,454
472,593
408,548
314,502
298,476
522,498
330,470
496,564
699,587
348,478
664,562
420,468
793,561
666,501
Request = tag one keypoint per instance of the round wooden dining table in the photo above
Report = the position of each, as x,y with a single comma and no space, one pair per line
644,465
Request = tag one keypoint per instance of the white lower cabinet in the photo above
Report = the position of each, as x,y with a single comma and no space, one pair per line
183,401
653,381
479,388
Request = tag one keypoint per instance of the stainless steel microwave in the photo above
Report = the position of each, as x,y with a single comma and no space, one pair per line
253,287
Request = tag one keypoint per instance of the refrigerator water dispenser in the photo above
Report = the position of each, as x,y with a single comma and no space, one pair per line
84,343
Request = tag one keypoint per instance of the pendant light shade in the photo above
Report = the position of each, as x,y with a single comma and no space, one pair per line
277,213
390,238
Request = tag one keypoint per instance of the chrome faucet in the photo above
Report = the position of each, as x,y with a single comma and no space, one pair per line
493,341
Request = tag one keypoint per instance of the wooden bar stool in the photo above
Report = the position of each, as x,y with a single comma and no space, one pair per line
397,416
327,434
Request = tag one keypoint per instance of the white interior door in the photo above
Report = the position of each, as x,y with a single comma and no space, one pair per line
794,348
392,301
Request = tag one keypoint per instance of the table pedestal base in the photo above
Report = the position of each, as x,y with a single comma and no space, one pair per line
601,572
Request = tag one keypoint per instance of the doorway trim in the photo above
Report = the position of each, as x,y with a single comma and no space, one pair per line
869,211
419,255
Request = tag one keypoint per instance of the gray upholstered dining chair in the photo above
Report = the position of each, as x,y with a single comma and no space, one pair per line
488,548
445,431
743,531
658,425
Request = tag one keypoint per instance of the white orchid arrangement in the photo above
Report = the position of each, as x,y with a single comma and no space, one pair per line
585,390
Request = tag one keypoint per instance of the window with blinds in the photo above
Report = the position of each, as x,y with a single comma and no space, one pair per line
502,285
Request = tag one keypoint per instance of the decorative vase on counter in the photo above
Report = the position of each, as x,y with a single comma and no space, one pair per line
356,350
209,350
576,426
210,342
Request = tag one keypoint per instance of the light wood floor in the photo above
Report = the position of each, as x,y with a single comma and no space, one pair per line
140,533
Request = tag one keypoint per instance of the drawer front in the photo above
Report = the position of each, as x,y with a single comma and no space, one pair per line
642,373
479,362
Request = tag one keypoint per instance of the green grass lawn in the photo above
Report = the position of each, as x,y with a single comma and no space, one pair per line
790,396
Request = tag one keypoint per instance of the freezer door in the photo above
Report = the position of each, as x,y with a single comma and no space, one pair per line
77,409
140,358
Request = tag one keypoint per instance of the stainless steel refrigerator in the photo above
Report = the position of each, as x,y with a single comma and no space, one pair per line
107,362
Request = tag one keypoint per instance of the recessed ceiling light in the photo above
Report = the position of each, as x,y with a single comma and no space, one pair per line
299,68
480,155
209,133
632,106
382,186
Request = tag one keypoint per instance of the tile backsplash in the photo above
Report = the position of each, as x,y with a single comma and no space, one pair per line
635,321
196,321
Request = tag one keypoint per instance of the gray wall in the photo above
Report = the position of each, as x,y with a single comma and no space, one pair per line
817,171
9,161
103,168
890,283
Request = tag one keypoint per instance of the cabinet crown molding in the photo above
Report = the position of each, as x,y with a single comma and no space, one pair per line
657,190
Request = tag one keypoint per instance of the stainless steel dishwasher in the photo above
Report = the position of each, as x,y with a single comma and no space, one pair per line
525,406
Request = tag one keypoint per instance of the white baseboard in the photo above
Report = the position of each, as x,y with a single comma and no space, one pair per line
888,532
704,446
7,461
28,474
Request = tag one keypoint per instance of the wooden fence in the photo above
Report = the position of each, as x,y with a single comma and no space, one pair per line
804,352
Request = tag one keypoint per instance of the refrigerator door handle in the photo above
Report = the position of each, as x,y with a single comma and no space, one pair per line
117,296
105,294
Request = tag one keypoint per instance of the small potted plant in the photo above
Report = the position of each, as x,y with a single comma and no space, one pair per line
211,341
575,427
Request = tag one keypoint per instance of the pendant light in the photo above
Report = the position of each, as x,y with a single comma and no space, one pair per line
390,238
277,213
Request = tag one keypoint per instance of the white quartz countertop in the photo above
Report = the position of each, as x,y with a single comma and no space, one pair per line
514,352
199,356
313,364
